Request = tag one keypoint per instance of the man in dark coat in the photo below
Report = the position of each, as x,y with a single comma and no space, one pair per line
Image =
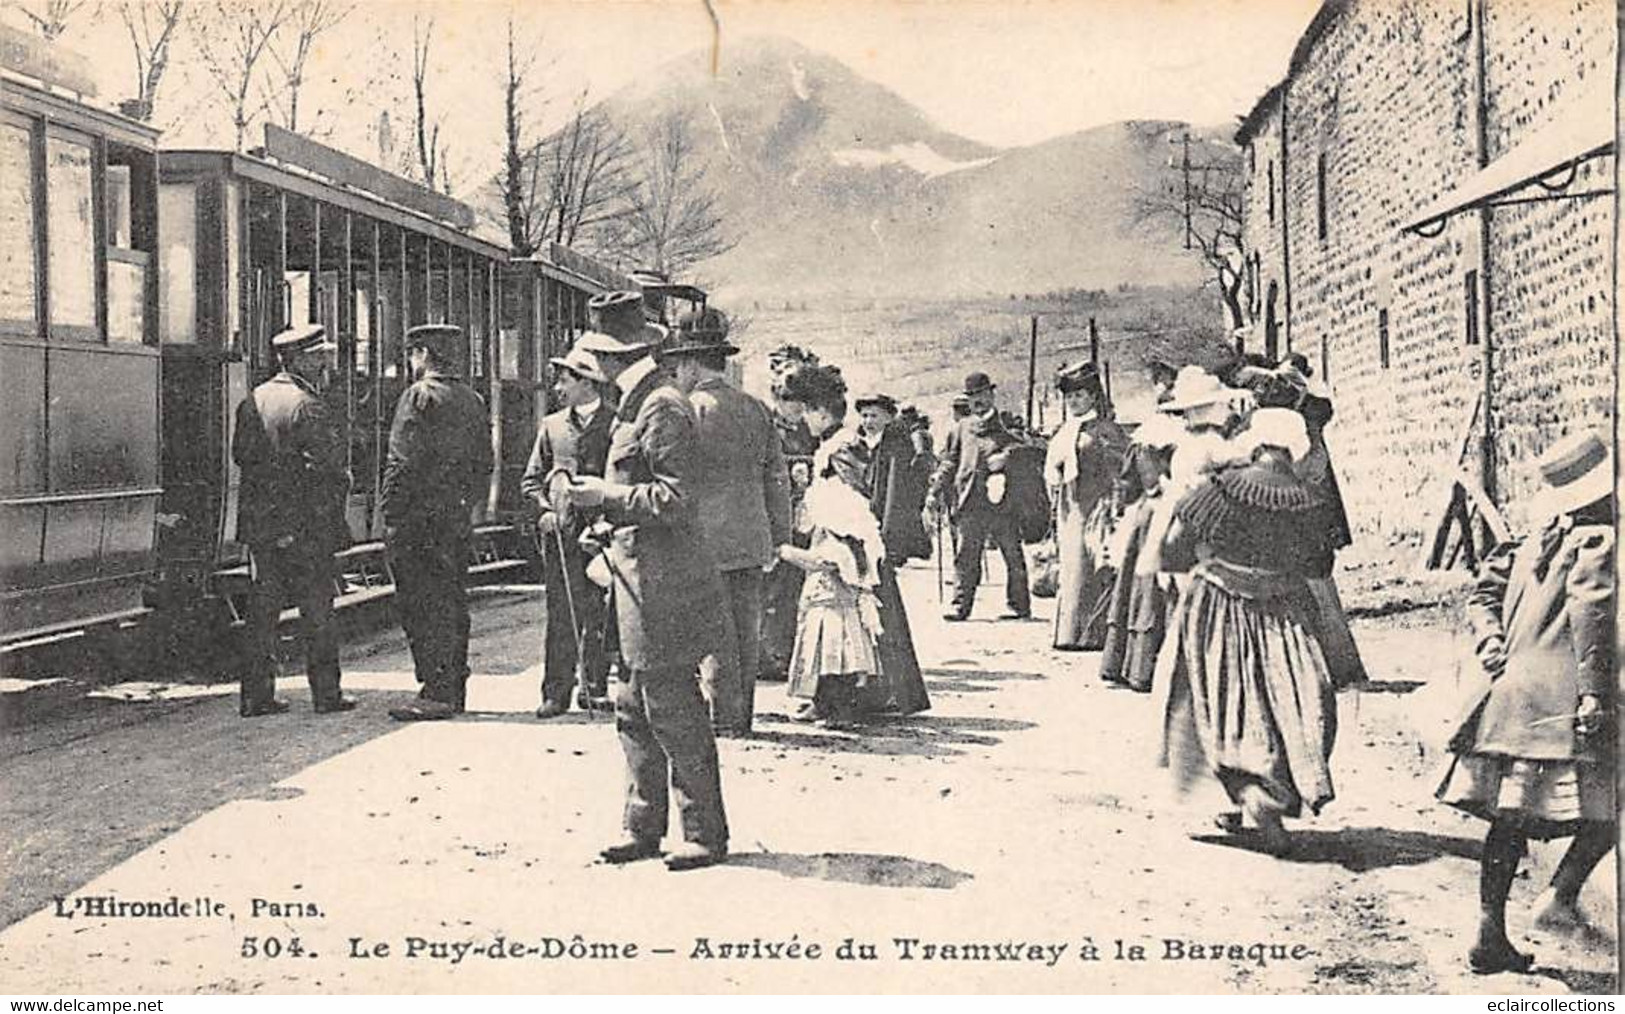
574,439
743,491
896,479
969,483
667,605
294,484
438,469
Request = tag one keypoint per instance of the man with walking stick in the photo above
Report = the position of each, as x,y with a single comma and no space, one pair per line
573,440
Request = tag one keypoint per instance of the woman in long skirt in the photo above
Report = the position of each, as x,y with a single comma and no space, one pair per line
1084,458
1534,754
835,654
1250,699
1136,618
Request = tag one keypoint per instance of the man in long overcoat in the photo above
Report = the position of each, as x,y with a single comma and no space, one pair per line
667,605
965,483
294,484
743,490
438,469
574,439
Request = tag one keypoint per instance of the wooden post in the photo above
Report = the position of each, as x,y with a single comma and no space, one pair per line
1106,387
1094,342
1032,371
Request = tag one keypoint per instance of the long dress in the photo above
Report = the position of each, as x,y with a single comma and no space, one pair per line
1084,458
888,476
1342,654
1137,617
1250,701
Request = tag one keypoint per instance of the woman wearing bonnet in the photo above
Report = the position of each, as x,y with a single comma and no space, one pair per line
1250,704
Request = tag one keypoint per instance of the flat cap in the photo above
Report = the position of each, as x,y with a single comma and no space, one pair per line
875,399
439,336
302,338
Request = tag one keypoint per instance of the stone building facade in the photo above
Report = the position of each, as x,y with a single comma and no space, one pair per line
1429,219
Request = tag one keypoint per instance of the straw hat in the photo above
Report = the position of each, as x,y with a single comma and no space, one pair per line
1577,471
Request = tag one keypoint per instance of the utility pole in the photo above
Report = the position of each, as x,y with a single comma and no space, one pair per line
1185,166
1032,371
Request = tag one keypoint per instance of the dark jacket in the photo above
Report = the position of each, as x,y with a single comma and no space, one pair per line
292,457
562,442
667,590
974,450
897,477
439,462
740,480
1552,599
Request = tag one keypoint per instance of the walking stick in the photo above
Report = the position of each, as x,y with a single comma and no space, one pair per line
582,690
939,561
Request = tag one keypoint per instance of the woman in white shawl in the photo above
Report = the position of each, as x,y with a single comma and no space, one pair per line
835,652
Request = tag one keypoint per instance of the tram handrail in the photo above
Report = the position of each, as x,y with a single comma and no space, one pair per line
51,498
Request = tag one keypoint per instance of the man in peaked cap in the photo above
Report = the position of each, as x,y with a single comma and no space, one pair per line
575,439
667,607
972,455
294,486
743,487
438,467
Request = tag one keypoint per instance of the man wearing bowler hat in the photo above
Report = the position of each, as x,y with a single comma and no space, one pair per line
743,491
667,605
438,467
294,484
574,440
969,483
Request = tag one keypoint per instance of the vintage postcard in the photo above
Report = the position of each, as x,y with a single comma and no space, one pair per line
697,496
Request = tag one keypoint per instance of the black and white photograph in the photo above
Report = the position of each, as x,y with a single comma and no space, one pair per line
538,497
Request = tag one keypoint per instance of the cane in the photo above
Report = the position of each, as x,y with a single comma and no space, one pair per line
582,690
939,560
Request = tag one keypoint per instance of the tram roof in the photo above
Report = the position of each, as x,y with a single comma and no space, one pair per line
296,180
29,98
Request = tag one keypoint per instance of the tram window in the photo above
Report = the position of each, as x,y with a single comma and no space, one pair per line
296,292
117,183
18,284
72,228
177,267
512,341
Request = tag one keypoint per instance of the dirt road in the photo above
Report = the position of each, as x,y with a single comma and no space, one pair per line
1018,837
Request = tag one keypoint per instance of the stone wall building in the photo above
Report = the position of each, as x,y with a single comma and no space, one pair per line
1429,219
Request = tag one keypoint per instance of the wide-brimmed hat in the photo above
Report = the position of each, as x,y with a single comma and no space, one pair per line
977,383
700,332
875,399
580,362
302,338
622,314
1195,387
1082,376
601,344
445,340
1577,471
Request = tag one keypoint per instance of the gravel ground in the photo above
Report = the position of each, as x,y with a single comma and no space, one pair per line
1018,837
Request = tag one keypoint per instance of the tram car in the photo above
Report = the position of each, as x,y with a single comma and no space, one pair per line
141,291
80,482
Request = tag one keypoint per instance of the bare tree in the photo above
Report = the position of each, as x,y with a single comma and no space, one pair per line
233,37
307,19
52,17
151,27
673,219
525,202
1205,204
431,154
588,168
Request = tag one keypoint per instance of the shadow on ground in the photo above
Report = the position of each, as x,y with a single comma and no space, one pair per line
864,868
1359,849
915,735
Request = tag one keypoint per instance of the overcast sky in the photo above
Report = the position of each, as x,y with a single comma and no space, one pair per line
1006,73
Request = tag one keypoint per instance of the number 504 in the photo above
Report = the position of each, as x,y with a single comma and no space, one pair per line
273,947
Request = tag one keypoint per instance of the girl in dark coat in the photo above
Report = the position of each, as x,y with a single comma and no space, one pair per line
1532,756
